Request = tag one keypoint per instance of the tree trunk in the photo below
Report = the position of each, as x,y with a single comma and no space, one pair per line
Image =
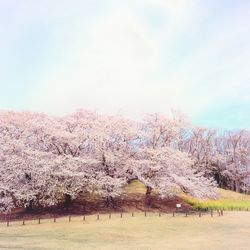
148,196
110,202
29,208
68,200
237,186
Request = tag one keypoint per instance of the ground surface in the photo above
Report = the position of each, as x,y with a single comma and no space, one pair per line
230,231
227,199
133,199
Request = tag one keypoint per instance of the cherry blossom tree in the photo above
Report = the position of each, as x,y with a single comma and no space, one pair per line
234,146
200,145
44,159
25,175
67,138
165,168
163,131
113,143
39,158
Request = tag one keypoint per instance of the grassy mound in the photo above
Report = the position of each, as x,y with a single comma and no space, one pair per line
132,200
227,200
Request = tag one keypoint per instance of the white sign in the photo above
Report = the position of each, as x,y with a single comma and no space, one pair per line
178,205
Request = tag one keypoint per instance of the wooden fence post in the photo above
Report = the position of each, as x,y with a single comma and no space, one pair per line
69,218
23,222
39,220
173,214
98,217
145,213
159,213
132,214
8,223
109,215
199,213
212,213
54,219
83,217
121,215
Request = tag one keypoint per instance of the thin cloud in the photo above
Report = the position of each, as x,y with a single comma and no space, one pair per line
113,60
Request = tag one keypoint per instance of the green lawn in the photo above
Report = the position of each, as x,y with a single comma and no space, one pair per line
230,231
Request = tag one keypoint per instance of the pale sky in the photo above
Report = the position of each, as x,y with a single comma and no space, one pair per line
128,57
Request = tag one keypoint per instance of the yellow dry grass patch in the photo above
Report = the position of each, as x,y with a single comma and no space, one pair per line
227,200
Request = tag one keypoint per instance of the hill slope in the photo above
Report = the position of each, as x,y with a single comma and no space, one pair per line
133,199
227,199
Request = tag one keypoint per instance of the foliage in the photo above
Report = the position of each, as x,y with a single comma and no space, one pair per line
44,158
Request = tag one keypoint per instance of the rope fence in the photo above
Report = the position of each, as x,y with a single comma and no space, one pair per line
121,215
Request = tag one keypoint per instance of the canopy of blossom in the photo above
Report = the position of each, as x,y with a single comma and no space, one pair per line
45,158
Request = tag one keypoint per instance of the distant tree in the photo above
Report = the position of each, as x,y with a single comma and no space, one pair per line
235,167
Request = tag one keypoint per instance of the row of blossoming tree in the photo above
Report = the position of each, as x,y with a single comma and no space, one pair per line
45,158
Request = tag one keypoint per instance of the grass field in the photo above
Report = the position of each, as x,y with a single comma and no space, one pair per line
227,232
230,231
